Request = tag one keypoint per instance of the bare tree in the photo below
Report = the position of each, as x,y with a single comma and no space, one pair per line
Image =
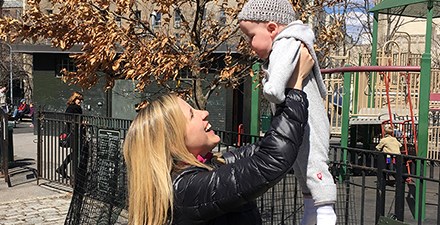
189,47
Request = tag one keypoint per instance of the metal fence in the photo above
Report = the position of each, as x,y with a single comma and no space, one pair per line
406,189
283,204
83,133
5,152
367,187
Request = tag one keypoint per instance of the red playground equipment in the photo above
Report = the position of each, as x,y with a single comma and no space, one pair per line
404,126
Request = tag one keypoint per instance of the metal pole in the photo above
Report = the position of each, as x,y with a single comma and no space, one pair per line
10,69
373,62
345,122
424,93
255,115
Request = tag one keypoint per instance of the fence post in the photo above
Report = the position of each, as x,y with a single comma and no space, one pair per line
345,121
399,205
39,145
76,146
380,190
5,141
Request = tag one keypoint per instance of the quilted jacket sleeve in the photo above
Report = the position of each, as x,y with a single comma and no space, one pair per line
201,195
248,150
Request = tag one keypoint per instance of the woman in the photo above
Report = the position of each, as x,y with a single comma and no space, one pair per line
73,107
74,103
172,179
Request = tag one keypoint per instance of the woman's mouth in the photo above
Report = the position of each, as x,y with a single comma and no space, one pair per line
208,127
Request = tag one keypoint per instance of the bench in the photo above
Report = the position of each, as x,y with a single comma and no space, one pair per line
29,115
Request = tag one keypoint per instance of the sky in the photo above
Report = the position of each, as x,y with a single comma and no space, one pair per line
356,16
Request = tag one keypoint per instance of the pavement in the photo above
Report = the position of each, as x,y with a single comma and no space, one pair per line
26,202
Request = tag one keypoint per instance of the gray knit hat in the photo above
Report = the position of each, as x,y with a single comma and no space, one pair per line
279,11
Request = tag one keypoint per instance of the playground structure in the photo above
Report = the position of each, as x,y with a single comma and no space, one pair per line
383,88
403,91
374,102
369,101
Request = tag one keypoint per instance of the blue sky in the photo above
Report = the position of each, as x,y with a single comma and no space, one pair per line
356,16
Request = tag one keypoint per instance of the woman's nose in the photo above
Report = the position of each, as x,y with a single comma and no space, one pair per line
204,114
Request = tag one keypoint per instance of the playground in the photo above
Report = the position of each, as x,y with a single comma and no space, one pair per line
390,87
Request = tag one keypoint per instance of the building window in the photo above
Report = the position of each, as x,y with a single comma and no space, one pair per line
185,74
222,18
137,15
204,14
118,21
18,14
6,13
178,37
156,18
64,62
177,18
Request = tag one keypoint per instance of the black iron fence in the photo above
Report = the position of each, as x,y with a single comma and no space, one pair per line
6,153
57,156
405,189
397,186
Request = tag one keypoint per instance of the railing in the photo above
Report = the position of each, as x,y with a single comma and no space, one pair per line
364,192
368,187
368,95
85,134
4,147
283,204
370,104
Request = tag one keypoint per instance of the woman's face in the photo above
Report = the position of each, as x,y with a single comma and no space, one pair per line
199,138
78,101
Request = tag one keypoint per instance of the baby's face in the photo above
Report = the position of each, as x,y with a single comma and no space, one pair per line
260,36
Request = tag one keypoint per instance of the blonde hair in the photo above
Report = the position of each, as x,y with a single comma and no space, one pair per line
388,129
75,95
153,148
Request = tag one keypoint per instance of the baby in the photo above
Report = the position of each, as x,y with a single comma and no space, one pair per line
276,35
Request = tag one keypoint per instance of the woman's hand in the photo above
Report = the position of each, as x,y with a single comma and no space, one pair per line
302,69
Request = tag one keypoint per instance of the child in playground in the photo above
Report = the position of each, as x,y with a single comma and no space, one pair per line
276,35
389,144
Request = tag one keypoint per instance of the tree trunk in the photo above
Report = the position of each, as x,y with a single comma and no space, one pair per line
28,80
199,97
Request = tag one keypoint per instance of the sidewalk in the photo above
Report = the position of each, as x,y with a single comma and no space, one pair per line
26,202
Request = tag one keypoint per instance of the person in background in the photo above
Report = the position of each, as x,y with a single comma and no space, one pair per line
276,36
389,144
73,107
173,177
32,113
3,104
22,109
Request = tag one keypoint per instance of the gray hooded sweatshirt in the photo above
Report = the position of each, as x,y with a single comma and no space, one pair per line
311,167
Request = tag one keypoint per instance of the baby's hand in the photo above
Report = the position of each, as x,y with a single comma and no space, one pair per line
302,69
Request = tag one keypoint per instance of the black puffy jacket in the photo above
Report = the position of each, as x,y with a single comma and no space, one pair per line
225,195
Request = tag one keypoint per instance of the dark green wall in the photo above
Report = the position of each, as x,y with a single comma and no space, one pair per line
52,93
124,99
